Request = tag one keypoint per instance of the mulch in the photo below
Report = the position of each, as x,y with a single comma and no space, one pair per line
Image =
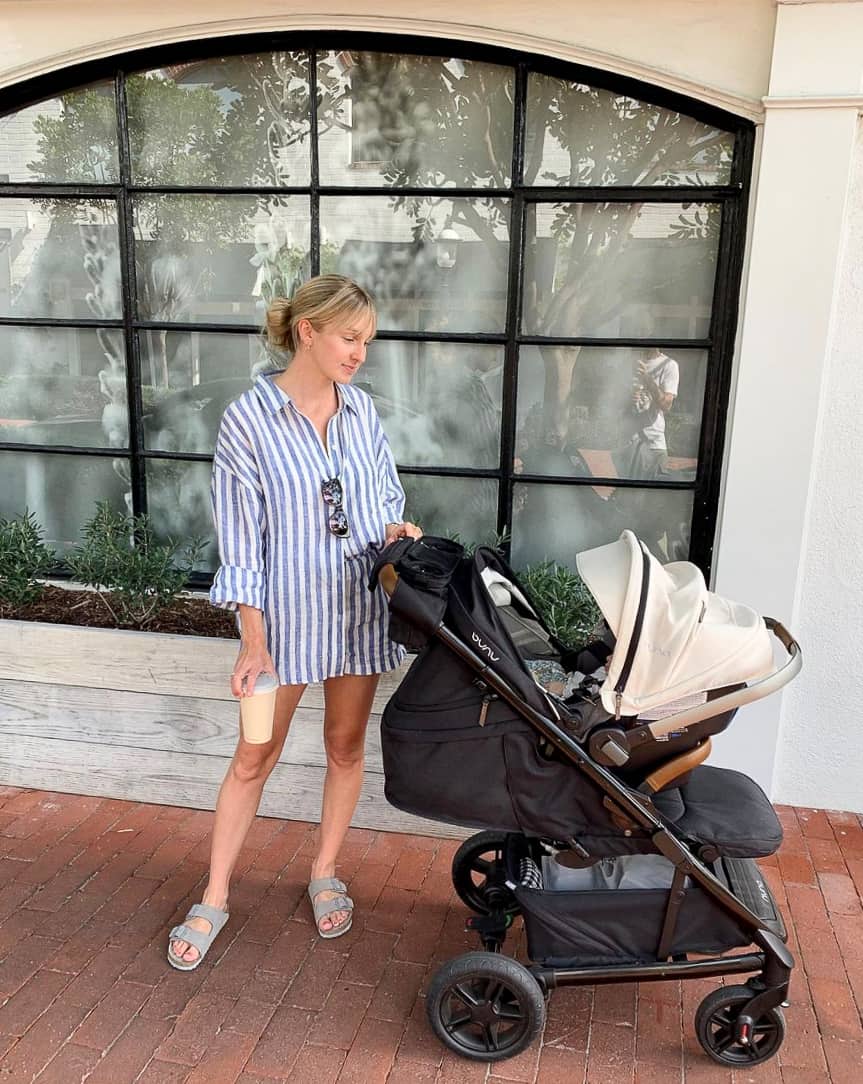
62,606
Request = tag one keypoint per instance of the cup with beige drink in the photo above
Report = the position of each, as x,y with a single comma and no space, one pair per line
257,710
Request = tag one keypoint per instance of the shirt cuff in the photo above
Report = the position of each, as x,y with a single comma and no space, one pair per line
234,586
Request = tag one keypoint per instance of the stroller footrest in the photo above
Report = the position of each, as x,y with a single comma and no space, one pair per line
749,885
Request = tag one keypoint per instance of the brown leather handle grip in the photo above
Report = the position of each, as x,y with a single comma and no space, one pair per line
388,578
678,766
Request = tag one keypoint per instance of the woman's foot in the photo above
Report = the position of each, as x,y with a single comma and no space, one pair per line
182,950
330,923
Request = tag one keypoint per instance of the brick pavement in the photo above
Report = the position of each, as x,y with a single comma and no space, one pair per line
89,887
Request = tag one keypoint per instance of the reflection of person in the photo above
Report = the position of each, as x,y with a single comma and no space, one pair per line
654,389
305,491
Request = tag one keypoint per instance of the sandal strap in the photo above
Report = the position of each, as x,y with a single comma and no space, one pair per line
197,938
201,941
327,907
326,884
214,915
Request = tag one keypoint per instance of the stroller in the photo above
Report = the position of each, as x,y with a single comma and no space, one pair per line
625,855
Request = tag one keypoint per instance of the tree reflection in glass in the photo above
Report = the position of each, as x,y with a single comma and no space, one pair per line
227,121
419,121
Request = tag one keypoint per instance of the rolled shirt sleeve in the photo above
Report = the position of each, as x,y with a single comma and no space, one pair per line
238,511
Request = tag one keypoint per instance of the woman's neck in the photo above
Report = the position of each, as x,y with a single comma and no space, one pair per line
307,386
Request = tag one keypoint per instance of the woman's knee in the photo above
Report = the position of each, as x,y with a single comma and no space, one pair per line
253,763
344,753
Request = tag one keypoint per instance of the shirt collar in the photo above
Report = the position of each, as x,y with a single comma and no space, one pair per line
274,399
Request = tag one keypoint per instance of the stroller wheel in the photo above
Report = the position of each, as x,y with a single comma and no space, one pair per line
714,1024
479,876
485,1006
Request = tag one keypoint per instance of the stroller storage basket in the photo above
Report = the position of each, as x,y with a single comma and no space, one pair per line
584,927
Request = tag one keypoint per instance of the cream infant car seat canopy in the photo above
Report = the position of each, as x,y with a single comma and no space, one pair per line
674,638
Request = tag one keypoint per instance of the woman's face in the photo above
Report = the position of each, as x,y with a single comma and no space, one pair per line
339,351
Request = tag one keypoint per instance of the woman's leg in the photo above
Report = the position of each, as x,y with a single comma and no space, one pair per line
348,701
239,798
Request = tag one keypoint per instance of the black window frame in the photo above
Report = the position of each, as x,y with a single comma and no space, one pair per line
732,197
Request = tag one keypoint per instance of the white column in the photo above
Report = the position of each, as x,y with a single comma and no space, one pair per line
799,213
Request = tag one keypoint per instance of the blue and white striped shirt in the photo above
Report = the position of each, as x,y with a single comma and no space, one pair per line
277,553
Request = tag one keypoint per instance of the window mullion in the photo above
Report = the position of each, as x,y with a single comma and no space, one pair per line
129,288
314,187
513,313
723,329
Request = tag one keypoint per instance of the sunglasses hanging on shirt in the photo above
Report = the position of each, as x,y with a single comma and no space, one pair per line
333,497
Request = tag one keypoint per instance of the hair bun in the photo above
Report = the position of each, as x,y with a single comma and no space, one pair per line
279,313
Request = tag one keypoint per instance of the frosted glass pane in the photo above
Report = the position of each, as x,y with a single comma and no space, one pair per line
188,378
430,264
233,121
63,386
66,139
178,501
433,121
439,402
61,490
581,135
553,523
60,259
590,411
640,270
218,258
466,507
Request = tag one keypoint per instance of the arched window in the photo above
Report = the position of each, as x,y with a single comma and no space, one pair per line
555,254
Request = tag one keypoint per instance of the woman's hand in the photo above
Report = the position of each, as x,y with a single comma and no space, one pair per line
253,659
402,530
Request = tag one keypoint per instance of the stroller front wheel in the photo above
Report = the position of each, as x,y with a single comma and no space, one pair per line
485,1006
715,1026
479,874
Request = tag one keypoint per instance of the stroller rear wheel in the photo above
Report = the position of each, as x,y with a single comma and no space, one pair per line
479,875
715,1025
485,1006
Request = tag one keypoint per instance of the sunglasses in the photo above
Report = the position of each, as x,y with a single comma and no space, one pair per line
333,496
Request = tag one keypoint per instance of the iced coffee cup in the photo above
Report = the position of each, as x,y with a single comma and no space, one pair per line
257,710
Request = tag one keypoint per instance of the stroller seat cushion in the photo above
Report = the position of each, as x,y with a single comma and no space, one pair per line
725,809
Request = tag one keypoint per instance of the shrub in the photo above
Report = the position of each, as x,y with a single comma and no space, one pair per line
564,601
23,558
134,575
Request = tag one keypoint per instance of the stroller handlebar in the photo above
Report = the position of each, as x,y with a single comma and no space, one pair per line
756,690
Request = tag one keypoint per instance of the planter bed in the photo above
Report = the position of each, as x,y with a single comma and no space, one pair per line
148,717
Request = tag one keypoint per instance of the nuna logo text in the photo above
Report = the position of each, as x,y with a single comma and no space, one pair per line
484,647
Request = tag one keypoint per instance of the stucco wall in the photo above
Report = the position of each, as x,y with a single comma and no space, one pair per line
820,754
718,49
785,397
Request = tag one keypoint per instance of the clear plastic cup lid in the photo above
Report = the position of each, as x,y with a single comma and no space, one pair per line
265,683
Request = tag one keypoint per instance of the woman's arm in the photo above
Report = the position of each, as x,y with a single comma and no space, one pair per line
392,493
240,520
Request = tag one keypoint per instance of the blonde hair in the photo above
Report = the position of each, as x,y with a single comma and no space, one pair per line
323,301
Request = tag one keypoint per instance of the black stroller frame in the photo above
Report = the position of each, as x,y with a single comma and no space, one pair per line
775,961
739,1026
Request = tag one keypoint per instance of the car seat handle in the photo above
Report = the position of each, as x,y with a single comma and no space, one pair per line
757,690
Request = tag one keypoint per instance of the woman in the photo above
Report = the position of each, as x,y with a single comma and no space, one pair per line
305,492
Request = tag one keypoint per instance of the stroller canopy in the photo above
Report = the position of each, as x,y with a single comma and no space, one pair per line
674,638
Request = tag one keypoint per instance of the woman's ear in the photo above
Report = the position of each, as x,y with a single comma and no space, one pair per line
304,332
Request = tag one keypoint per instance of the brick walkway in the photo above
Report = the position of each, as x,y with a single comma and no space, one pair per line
88,888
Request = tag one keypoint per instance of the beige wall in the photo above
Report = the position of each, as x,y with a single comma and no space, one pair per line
714,49
790,530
